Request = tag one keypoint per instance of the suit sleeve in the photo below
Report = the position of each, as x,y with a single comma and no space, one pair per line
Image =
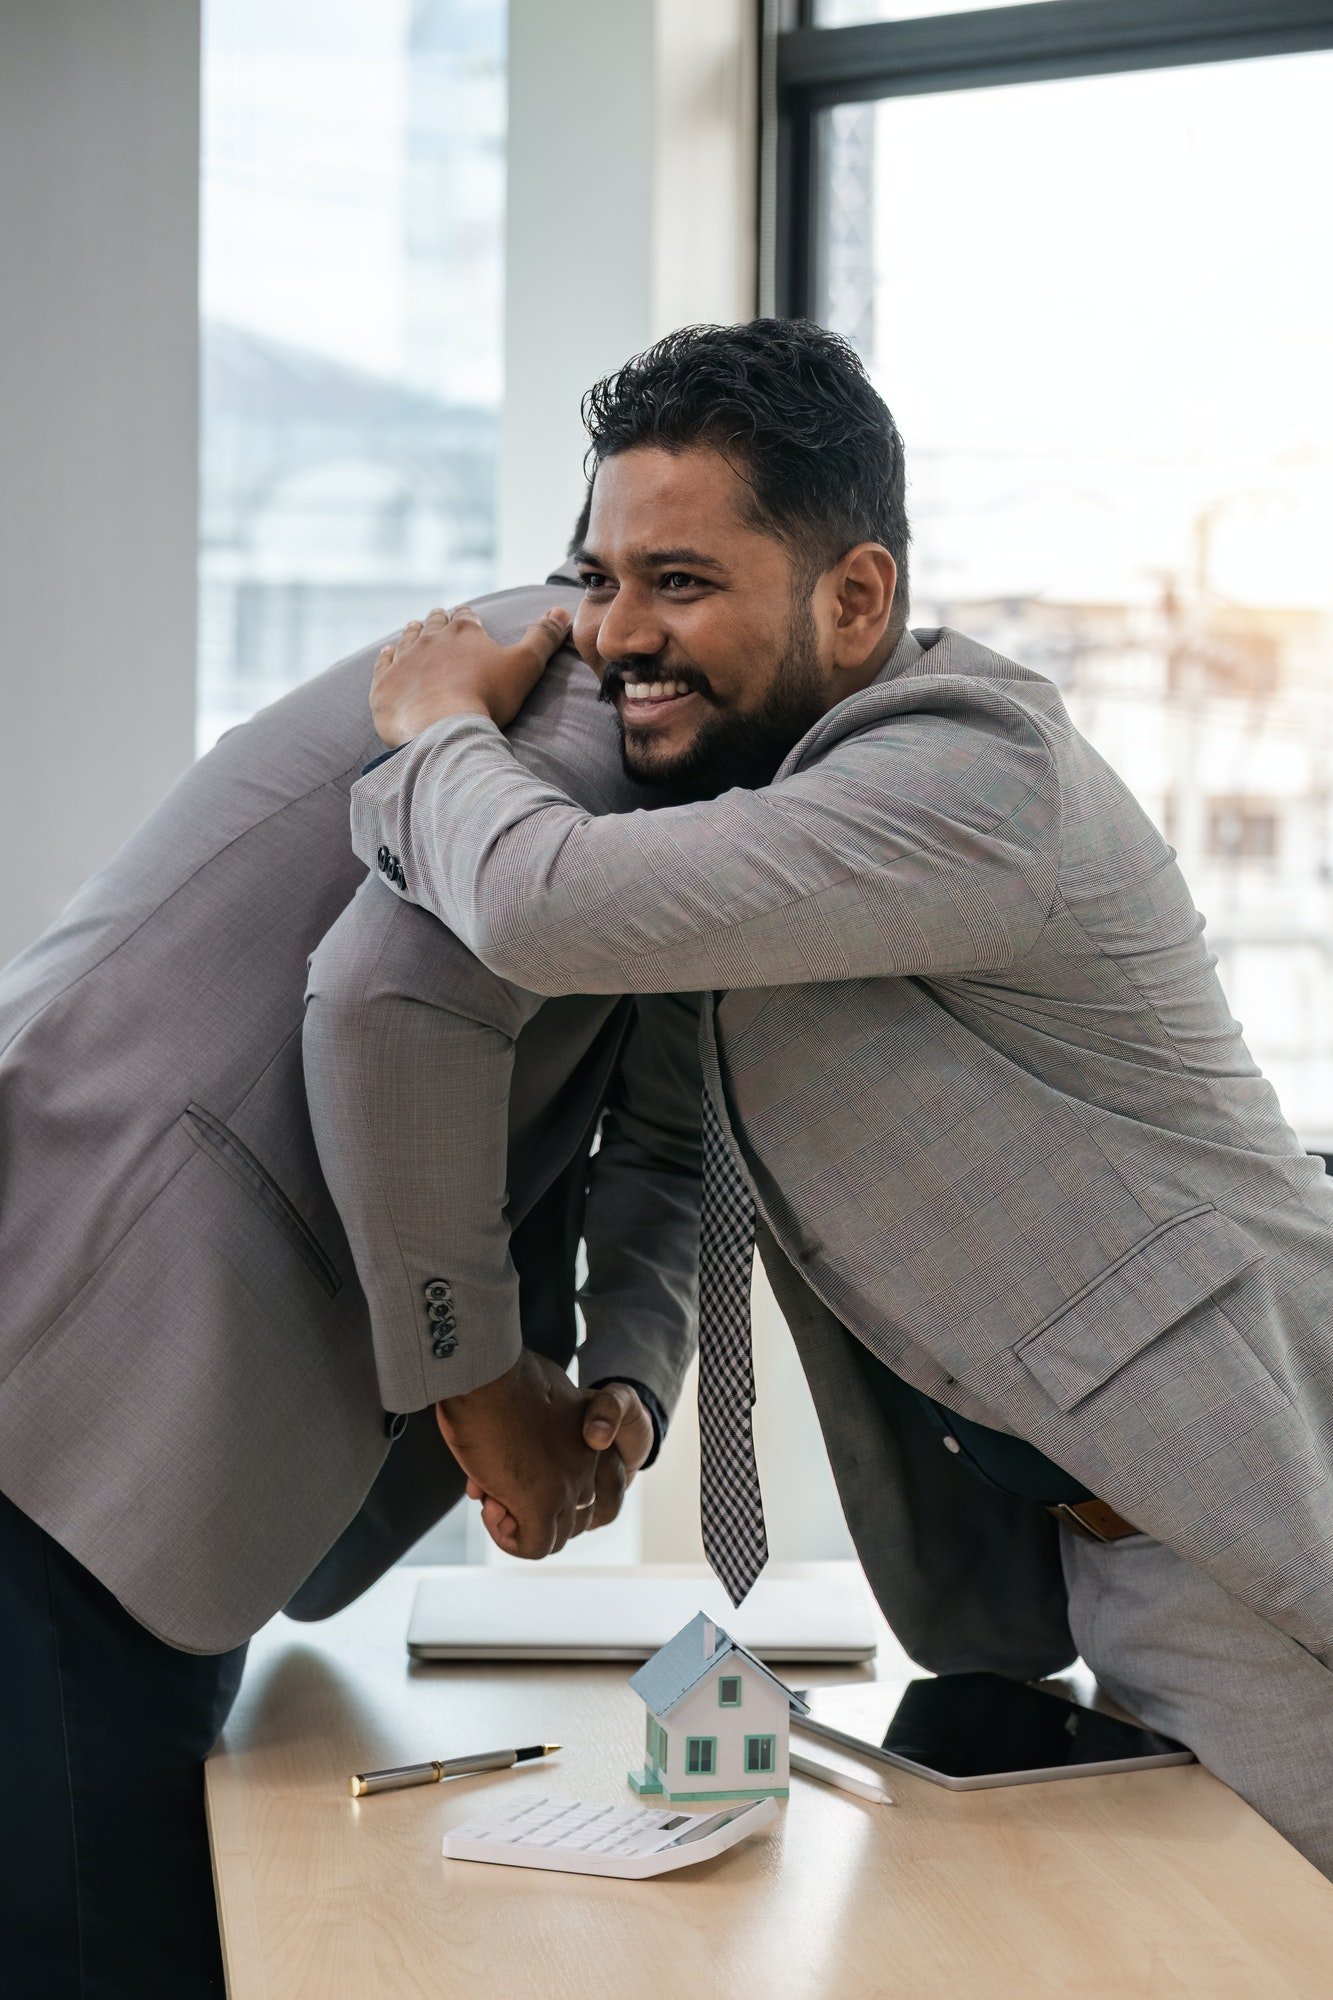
926,843
640,1300
409,1056
409,1051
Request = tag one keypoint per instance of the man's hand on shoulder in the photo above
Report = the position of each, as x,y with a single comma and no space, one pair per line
448,664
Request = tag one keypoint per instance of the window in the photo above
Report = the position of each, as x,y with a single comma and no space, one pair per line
1126,484
729,1691
760,1754
700,1756
352,230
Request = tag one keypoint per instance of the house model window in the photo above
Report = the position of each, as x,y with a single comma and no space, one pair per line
728,1715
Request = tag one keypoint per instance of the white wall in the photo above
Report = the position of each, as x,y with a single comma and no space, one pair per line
630,211
99,146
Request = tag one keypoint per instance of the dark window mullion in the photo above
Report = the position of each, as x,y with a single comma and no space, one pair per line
818,67
802,143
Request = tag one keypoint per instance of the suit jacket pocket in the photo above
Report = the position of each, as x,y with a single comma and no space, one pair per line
232,1154
1173,1269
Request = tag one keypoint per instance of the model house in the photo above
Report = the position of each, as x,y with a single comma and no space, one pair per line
717,1719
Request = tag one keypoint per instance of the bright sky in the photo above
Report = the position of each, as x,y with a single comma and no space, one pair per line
1079,280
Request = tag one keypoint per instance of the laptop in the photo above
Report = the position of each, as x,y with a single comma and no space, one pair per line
474,1612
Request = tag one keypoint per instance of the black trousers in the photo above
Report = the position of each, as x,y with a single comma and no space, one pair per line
106,1891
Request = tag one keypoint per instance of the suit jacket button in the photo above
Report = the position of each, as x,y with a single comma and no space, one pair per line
395,1423
382,861
438,1291
444,1348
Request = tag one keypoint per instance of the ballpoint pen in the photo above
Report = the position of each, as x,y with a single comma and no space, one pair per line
393,1780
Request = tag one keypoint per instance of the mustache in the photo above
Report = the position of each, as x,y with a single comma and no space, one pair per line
616,672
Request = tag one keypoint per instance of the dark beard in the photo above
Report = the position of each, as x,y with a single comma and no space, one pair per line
745,751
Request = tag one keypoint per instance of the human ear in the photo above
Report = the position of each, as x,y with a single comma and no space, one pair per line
864,581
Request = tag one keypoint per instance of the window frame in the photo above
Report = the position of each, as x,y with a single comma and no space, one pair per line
761,1770
730,1680
695,1771
806,70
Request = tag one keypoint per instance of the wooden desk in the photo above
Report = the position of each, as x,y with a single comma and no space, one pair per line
1155,1883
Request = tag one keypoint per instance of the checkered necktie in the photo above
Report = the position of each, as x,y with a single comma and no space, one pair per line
731,1509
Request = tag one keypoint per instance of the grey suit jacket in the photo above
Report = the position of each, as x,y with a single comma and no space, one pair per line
978,1068
192,1397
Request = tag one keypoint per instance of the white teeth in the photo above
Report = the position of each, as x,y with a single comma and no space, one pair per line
652,690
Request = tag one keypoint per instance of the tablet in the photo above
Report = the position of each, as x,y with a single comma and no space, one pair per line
970,1731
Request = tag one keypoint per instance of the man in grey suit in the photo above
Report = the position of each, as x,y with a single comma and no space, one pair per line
1060,1273
205,1412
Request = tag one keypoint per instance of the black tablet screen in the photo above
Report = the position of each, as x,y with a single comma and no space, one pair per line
977,1725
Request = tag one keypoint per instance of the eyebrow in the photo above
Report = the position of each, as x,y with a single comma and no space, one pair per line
658,559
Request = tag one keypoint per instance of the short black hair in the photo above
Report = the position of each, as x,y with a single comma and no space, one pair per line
790,405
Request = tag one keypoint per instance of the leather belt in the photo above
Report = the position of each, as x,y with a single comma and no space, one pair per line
1095,1519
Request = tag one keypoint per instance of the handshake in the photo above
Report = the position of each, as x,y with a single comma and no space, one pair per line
545,1459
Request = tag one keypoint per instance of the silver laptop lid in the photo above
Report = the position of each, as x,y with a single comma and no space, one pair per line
476,1612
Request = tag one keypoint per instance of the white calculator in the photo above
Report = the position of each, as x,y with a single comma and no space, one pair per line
603,1840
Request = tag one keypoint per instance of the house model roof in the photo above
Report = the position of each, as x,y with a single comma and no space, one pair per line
686,1660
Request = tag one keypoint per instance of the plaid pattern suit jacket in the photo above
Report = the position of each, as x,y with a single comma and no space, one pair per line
1000,1126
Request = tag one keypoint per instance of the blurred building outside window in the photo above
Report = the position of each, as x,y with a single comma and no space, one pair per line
1101,310
351,289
